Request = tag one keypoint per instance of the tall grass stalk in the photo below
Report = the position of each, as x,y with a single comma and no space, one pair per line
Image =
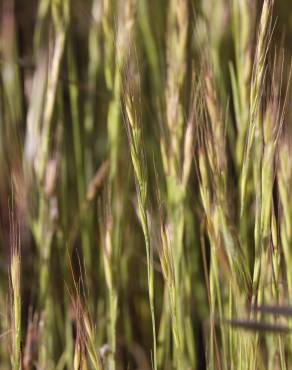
172,152
15,274
132,104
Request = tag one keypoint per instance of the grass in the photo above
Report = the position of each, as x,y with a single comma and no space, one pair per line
145,184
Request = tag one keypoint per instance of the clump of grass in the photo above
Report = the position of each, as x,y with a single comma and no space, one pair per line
180,108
